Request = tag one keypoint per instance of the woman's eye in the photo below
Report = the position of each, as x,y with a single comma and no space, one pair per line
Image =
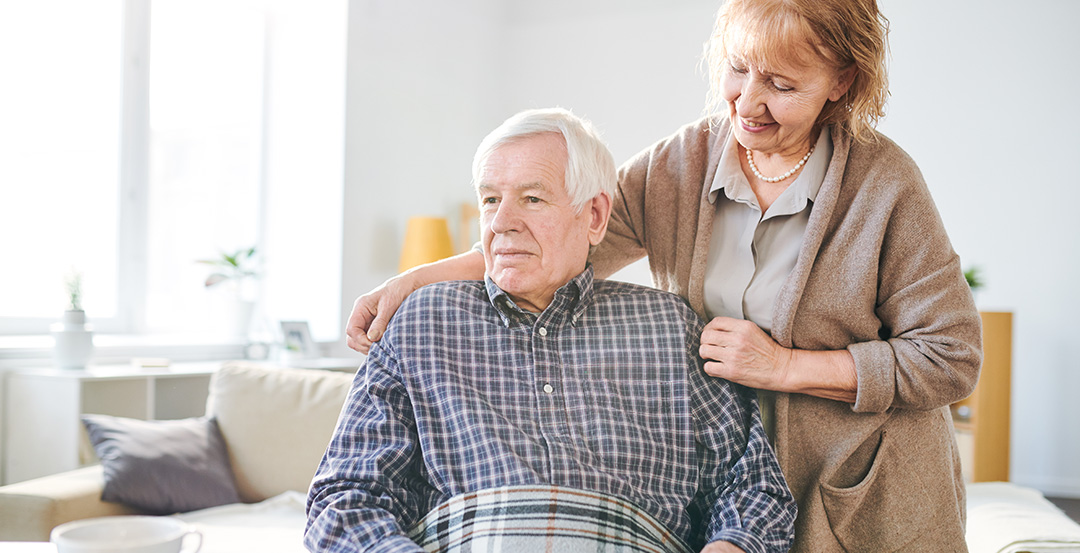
737,69
782,88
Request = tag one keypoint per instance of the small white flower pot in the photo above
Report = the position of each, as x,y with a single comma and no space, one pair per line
74,341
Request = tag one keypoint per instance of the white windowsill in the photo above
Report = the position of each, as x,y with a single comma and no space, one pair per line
36,350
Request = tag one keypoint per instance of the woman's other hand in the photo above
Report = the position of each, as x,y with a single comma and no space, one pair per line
721,547
739,351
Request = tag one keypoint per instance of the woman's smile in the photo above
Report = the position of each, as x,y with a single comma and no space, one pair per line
753,126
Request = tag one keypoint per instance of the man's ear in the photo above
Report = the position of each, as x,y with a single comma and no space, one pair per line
599,209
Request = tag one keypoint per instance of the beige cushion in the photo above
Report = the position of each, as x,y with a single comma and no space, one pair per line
29,510
276,423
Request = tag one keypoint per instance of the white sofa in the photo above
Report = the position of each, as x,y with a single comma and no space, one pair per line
276,424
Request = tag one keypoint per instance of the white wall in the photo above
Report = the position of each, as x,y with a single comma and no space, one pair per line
302,169
983,101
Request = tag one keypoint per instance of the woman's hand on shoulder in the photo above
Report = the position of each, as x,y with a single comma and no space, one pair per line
739,351
372,312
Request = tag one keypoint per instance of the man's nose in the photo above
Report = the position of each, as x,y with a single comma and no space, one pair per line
506,218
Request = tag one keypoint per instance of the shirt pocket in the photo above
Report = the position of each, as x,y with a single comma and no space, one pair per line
642,429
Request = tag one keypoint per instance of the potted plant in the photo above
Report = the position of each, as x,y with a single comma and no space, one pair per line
73,286
73,338
973,276
234,267
235,272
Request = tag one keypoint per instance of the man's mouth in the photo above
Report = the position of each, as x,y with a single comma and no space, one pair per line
511,253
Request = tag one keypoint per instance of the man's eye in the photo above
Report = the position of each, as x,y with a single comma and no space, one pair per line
532,199
488,200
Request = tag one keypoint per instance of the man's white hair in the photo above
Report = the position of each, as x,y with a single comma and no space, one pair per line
590,168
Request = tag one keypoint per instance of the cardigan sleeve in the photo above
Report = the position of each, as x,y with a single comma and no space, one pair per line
930,348
655,210
623,243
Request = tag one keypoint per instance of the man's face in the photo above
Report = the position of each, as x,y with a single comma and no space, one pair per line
534,240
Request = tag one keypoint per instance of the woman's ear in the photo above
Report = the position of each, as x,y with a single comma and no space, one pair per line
843,83
599,213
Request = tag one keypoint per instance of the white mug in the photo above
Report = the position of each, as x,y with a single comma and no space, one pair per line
124,534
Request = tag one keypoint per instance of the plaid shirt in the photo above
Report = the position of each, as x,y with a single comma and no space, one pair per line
603,391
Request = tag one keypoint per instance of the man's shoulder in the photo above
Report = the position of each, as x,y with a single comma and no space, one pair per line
452,289
441,297
638,297
618,287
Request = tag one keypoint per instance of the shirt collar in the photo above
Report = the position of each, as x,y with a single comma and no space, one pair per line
730,178
569,303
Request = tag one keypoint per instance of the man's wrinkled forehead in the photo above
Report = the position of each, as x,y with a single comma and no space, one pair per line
482,157
486,187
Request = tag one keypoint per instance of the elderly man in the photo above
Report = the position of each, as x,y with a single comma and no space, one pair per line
540,409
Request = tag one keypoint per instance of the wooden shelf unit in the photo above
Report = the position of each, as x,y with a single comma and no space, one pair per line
982,420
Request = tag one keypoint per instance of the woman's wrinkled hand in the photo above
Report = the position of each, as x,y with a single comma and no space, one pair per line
372,312
721,547
741,352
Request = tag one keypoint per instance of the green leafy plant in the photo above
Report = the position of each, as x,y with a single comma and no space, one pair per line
973,276
73,286
236,266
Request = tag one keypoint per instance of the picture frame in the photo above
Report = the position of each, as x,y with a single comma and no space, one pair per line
296,341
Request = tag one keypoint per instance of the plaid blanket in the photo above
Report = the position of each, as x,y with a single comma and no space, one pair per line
542,518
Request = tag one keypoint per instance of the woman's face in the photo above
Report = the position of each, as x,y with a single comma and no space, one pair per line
773,109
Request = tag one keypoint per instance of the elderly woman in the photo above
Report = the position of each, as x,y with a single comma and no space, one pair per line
811,244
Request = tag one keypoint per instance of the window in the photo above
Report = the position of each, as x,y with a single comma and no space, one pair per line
148,134
205,122
59,146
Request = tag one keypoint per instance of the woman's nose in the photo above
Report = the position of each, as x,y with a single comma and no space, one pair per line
751,100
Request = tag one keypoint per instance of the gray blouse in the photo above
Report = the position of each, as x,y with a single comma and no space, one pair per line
750,254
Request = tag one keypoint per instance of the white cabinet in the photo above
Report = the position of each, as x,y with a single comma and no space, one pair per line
43,433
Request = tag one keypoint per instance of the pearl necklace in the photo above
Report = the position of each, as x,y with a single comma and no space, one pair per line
750,160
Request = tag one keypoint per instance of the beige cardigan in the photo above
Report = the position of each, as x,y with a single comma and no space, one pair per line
876,275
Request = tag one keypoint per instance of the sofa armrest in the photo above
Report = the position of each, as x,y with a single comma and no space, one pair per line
30,510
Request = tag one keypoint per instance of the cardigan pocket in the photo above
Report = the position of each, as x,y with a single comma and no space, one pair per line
878,513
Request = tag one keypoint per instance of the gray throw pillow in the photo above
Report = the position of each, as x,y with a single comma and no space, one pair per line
162,467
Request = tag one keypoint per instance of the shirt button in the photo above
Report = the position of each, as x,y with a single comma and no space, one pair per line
543,331
548,388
